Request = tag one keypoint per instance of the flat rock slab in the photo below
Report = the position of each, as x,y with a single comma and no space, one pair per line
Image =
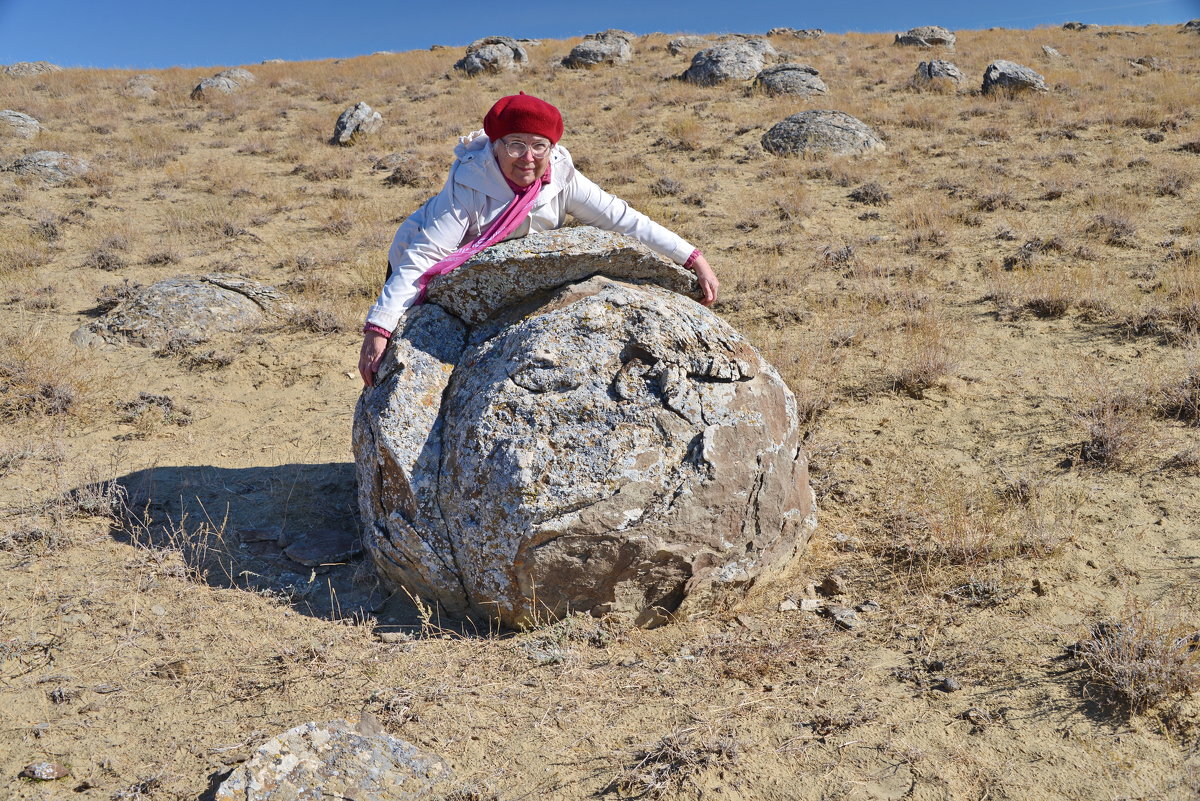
1013,77
324,547
821,131
509,272
927,36
320,761
937,70
791,79
23,68
50,166
19,124
185,308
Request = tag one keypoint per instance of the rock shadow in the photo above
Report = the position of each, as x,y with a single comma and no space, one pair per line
290,532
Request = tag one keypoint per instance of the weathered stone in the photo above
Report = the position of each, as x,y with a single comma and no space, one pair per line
210,86
1192,25
600,447
272,61
492,54
184,308
19,124
820,131
507,273
927,36
1050,52
318,761
727,61
1143,62
937,71
44,771
607,47
49,165
141,86
756,43
683,44
358,120
1080,26
1012,77
238,74
801,33
791,79
24,68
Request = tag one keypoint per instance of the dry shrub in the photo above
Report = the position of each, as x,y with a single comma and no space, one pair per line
1141,660
663,769
1181,399
926,354
1115,228
40,377
871,194
1115,425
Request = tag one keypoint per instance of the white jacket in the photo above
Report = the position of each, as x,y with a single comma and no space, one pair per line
476,193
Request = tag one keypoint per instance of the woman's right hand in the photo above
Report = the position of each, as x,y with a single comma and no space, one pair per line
373,346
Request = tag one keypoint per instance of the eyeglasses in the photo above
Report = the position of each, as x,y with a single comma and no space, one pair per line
516,148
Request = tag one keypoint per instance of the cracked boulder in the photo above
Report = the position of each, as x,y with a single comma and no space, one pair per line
821,131
1008,76
492,54
603,445
185,309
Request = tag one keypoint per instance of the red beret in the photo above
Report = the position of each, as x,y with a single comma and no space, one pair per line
523,114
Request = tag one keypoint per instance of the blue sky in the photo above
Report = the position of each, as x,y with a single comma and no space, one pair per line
151,34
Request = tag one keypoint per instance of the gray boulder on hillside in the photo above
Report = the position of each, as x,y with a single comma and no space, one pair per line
49,165
316,761
25,68
1080,26
184,308
357,121
607,47
224,82
1050,53
791,79
927,36
19,124
1012,77
756,43
683,44
144,87
1192,25
821,131
492,54
597,446
932,72
726,61
801,33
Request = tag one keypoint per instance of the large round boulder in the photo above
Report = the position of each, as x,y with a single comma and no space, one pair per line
727,61
605,445
820,131
936,73
25,68
791,79
492,54
927,36
607,47
50,166
1011,77
19,124
357,121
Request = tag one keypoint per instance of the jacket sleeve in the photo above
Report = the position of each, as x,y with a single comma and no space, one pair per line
591,205
429,235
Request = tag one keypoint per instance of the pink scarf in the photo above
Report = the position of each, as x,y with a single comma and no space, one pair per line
509,220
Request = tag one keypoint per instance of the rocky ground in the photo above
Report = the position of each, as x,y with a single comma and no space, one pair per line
990,325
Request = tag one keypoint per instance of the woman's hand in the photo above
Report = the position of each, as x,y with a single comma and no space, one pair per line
373,346
707,280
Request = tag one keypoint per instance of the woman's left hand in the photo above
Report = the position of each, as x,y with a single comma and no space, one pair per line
707,280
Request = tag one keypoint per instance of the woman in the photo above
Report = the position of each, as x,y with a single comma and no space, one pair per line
509,179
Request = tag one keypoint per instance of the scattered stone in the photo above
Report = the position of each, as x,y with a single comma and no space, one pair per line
272,61
184,309
358,120
599,447
1120,34
801,33
207,87
949,685
843,617
144,87
1012,77
1080,26
324,547
607,47
683,44
242,76
107,689
384,53
22,69
832,585
791,79
726,61
927,36
810,605
44,771
1051,53
932,72
506,273
756,43
820,131
1192,25
20,124
867,607
49,165
492,54
337,760
1147,62
788,605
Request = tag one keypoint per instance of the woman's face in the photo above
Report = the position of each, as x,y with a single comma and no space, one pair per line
523,170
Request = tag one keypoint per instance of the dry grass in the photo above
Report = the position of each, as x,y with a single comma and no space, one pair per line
665,768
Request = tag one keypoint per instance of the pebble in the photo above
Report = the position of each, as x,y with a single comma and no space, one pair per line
44,771
159,609
788,605
833,585
868,606
949,685
324,547
810,605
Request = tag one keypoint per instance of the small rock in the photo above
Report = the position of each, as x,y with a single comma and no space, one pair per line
1008,75
324,547
394,636
791,79
832,585
934,665
682,44
19,124
106,689
843,617
158,609
809,605
788,605
358,120
141,86
1039,588
24,68
1080,26
926,36
627,662
44,771
949,685
1050,52
867,606
49,165
844,542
